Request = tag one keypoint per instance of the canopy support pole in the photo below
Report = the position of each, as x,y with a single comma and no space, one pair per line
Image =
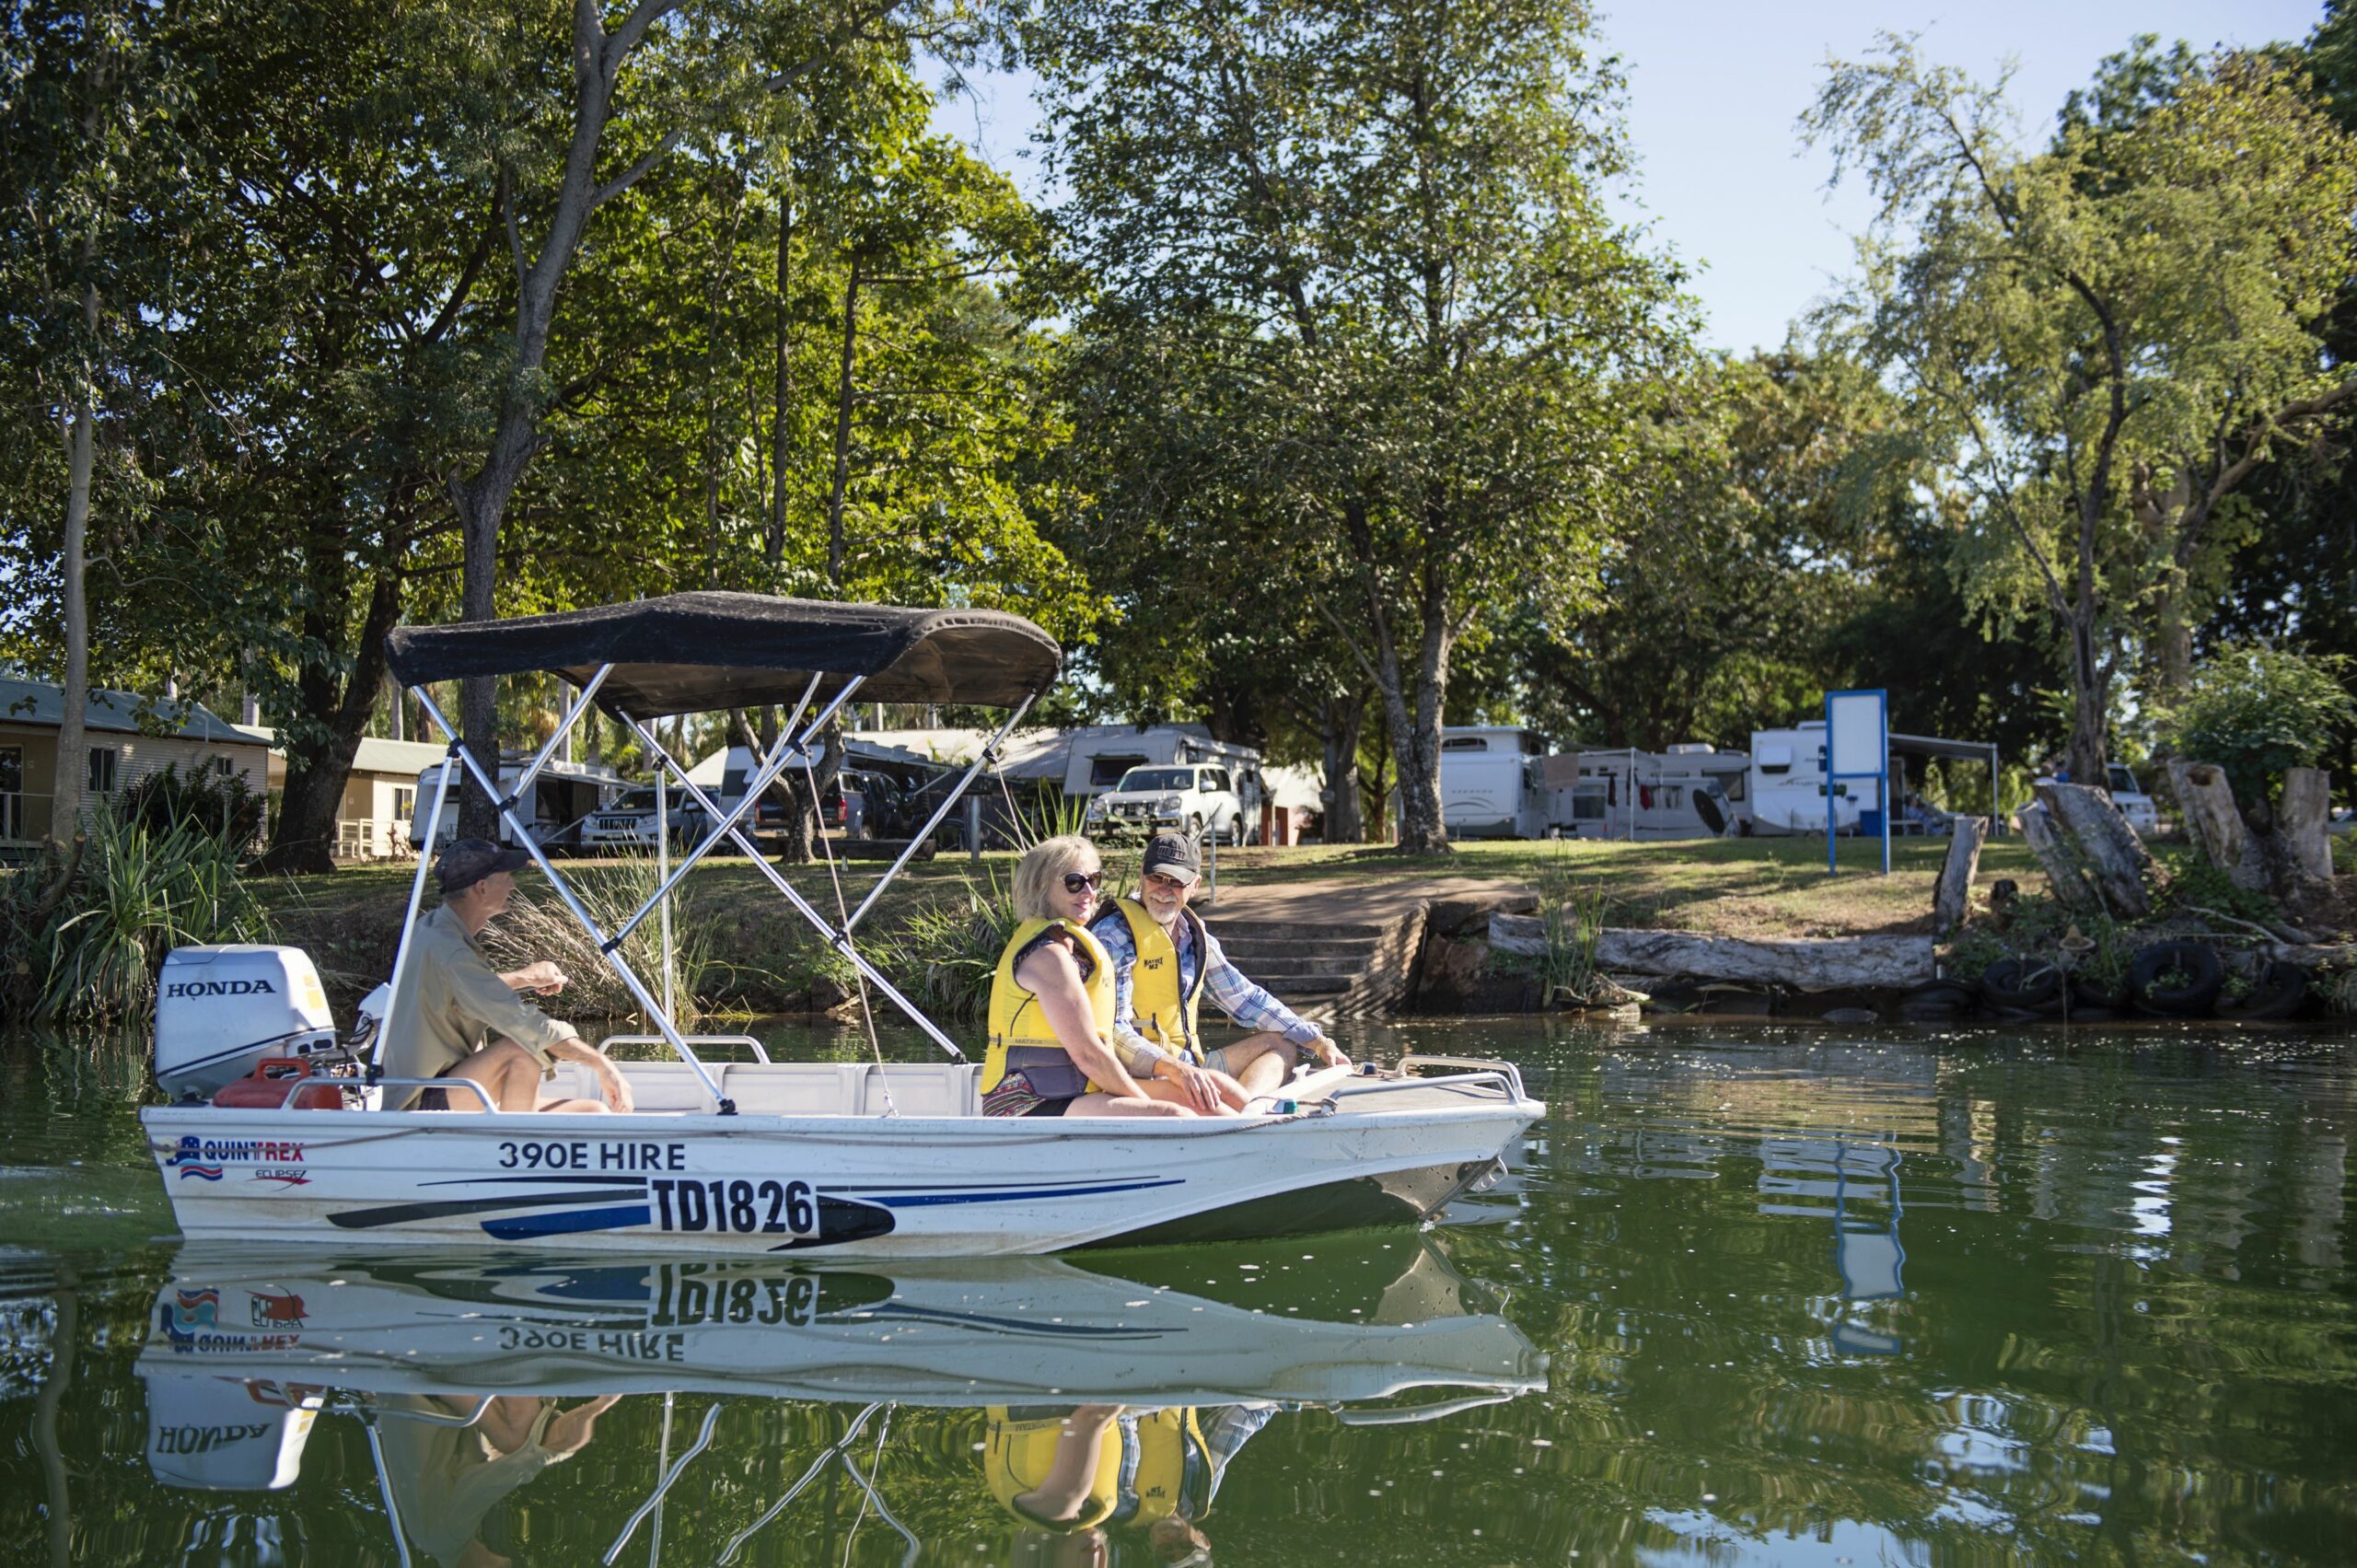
839,941
416,895
556,737
755,788
989,754
654,1009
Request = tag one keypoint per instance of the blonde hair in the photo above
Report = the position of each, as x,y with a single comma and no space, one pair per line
1040,879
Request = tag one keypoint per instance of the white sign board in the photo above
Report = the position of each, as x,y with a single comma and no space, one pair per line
1854,720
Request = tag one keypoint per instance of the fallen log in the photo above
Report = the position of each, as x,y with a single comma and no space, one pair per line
1810,963
2115,858
2063,875
1952,896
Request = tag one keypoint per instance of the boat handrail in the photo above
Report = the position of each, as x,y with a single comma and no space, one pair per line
1403,1415
1506,1070
761,1052
480,1093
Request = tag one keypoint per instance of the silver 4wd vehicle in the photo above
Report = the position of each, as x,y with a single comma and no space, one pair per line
629,822
1194,798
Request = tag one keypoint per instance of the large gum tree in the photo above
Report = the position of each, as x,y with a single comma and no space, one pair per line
1380,223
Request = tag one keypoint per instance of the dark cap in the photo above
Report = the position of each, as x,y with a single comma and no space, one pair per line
468,861
1173,854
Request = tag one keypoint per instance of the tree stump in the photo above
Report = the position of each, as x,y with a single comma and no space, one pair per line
1952,898
2072,889
2115,858
2214,823
2283,850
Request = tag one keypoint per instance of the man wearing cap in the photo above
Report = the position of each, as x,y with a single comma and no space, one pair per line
1166,959
454,1017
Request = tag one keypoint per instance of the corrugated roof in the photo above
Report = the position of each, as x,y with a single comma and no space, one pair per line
39,703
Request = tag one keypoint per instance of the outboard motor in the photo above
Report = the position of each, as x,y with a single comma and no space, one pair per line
214,1434
220,1010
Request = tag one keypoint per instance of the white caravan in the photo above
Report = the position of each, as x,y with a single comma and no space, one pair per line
1490,783
563,796
1788,784
1690,791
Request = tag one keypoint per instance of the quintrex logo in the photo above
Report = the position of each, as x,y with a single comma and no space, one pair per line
202,1157
221,988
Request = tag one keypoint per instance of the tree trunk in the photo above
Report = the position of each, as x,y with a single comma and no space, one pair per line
2300,819
65,789
2283,850
1415,739
2069,884
2115,858
844,398
304,840
782,395
2090,694
1341,722
1952,896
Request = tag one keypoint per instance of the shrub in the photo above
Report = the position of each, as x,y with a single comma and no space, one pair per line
136,893
2256,712
945,955
219,804
539,928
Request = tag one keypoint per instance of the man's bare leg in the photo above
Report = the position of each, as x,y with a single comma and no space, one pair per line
512,1077
1261,1063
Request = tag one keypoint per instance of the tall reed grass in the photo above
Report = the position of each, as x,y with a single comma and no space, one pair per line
138,891
542,927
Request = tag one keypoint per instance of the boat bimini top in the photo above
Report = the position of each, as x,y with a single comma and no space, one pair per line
694,653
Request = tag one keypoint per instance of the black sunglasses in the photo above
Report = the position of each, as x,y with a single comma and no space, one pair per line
1081,881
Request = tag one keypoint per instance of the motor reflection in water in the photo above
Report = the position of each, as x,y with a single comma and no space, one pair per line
1113,1398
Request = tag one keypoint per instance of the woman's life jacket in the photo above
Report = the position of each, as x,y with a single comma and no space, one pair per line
1151,1464
1021,1038
1168,1009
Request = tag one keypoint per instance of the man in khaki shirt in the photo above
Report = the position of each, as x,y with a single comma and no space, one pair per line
454,1017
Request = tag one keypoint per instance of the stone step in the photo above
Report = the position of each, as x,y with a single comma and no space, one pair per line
1286,986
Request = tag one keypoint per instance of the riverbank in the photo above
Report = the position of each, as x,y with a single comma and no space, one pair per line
754,956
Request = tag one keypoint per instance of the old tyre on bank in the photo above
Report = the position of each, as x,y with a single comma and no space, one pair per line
2278,990
2176,979
2027,985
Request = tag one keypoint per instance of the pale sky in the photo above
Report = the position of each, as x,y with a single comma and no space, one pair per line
1714,89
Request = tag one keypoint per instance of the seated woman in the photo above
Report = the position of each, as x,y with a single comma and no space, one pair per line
1051,1009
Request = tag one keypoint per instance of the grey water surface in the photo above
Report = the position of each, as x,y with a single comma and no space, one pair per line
1749,1295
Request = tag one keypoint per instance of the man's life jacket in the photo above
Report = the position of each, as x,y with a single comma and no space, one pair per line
1152,1464
1167,1014
1021,1038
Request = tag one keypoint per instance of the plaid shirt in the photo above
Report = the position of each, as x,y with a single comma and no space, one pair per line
1250,1006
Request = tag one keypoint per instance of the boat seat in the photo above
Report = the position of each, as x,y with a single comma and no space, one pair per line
791,1089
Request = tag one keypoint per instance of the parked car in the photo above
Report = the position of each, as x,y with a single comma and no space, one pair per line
629,822
1196,798
2142,815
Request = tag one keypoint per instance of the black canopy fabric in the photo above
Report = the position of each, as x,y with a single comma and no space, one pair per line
695,651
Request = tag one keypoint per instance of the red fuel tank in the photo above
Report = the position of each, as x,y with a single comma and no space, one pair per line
268,1090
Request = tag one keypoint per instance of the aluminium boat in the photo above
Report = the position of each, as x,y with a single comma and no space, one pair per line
750,1158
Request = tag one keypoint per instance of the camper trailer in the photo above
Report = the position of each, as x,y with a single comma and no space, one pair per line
1690,791
1490,783
1788,784
563,796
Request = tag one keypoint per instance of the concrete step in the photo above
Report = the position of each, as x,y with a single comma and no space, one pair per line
1360,948
1294,930
1259,964
1285,987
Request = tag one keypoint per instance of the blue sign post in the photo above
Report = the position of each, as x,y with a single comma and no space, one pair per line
1857,747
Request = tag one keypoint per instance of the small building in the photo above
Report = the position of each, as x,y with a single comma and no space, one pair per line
372,821
127,737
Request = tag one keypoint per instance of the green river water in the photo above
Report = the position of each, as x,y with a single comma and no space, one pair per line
1749,1295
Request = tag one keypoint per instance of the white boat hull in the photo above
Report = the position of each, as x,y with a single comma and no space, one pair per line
831,1185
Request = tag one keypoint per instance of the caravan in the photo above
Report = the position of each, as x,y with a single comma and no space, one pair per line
563,796
1690,791
1788,784
1490,783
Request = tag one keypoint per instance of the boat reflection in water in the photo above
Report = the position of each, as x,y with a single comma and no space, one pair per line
1112,1400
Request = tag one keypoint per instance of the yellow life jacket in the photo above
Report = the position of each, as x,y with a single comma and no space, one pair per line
1142,1474
1166,1014
1021,1038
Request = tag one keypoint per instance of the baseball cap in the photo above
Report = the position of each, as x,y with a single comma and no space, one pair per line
468,861
1174,855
